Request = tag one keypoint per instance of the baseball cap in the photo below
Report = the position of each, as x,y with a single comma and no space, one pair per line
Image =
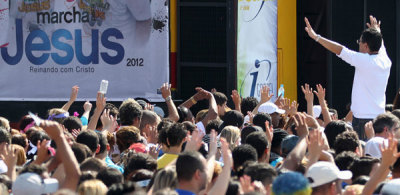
32,183
324,172
317,111
269,108
391,187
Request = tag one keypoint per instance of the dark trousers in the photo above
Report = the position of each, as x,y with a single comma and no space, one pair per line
358,126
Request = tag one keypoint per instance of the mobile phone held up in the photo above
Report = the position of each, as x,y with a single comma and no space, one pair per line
103,86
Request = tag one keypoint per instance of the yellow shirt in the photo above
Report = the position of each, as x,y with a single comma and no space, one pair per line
165,159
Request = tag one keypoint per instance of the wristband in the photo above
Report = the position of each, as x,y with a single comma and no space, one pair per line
193,100
318,37
168,98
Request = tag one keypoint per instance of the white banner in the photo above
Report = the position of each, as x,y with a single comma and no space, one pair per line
4,13
256,47
53,45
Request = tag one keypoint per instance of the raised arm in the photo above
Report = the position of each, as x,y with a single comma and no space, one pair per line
71,166
87,107
200,95
320,93
309,96
212,110
100,104
332,46
294,158
265,97
166,94
72,98
236,100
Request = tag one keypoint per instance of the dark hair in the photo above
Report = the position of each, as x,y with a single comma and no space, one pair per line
125,188
220,98
233,187
248,104
213,124
361,180
110,176
113,111
362,166
72,122
373,38
92,164
263,172
89,138
102,142
346,141
259,141
260,118
333,129
140,175
247,130
35,136
175,134
81,151
127,136
243,153
139,161
384,120
184,114
396,113
129,111
279,135
162,131
187,164
24,121
189,126
345,159
234,118
5,136
19,139
389,107
85,176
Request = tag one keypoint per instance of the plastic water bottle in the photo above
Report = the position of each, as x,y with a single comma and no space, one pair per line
281,91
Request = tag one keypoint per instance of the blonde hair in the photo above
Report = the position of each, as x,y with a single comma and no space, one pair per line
92,187
4,123
232,135
57,111
165,178
21,157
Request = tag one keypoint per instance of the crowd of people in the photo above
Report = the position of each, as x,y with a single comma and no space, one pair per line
257,147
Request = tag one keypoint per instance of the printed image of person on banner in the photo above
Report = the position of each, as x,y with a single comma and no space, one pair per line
4,15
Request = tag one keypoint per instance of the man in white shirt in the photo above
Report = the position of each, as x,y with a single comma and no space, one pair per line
372,70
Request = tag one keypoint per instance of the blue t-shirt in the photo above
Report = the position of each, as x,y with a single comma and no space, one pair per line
184,192
111,164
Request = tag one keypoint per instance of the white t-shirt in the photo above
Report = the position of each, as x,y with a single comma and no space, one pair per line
201,128
372,147
371,76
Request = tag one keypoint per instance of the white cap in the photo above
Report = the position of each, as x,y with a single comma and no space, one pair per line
269,108
317,111
32,183
324,172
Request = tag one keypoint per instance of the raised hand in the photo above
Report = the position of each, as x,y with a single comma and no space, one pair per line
310,30
194,142
320,93
213,143
109,121
42,151
236,98
87,106
166,90
301,125
315,143
201,94
74,93
308,93
100,101
369,130
389,152
265,95
154,151
375,24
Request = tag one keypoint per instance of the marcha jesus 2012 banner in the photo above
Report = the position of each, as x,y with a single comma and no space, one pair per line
47,46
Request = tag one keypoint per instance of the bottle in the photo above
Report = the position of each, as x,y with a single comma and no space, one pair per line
103,86
281,91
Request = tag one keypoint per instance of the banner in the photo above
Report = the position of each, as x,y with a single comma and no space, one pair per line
54,45
256,47
4,12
